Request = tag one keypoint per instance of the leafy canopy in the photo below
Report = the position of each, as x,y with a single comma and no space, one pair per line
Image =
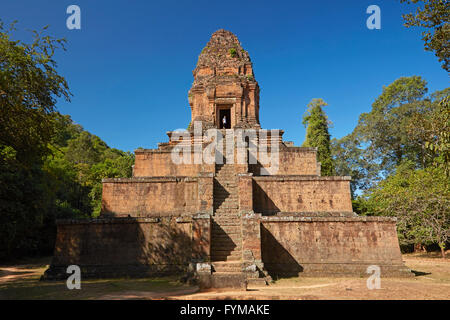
434,16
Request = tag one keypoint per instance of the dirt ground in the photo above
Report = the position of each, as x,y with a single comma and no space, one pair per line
432,281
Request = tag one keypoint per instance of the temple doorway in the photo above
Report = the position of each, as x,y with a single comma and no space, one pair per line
224,118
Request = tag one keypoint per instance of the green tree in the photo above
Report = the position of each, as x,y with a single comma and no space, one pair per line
420,199
317,135
434,130
434,16
389,134
50,168
29,87
348,159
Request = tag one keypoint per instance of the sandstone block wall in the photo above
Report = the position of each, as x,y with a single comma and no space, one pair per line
156,163
292,161
142,197
130,246
273,194
330,246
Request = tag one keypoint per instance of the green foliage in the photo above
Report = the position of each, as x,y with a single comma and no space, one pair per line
398,156
434,16
435,130
29,86
250,77
84,160
233,52
348,160
50,168
420,199
317,135
389,134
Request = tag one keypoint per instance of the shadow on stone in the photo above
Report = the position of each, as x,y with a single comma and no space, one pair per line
220,194
124,247
262,203
223,245
278,262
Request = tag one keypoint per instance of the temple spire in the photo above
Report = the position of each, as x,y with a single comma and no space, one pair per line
225,93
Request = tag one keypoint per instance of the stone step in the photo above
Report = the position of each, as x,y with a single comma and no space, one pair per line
229,192
226,206
227,266
232,233
227,199
226,225
224,212
219,235
226,202
227,220
226,257
226,194
257,282
229,232
217,243
226,189
226,228
236,224
237,257
226,253
222,193
225,249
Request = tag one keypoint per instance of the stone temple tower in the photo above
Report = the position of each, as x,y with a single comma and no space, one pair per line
227,222
224,85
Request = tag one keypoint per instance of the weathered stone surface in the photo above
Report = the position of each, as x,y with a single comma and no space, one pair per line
224,80
273,194
228,223
129,246
330,246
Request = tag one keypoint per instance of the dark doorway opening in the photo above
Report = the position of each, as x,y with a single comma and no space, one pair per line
224,114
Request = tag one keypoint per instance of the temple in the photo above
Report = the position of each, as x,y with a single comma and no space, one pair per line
259,210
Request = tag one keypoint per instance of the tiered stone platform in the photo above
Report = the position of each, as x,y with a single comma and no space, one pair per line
227,223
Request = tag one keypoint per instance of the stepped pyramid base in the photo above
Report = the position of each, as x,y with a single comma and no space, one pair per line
271,217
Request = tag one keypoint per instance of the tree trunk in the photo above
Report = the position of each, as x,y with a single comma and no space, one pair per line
442,251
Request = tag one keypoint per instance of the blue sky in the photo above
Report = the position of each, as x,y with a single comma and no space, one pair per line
130,66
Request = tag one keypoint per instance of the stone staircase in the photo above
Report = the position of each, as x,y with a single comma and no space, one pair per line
226,238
